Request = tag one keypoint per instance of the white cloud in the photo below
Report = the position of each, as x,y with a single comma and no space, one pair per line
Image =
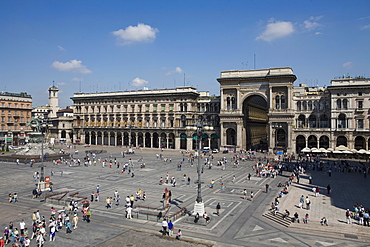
276,29
137,82
312,23
347,65
134,34
365,27
61,48
318,33
61,83
77,79
176,70
71,66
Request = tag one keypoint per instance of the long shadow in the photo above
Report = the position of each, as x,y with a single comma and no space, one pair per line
347,188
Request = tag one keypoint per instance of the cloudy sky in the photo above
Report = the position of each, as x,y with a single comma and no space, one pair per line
128,45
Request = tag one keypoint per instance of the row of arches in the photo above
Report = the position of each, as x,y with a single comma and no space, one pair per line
151,140
323,141
313,121
313,105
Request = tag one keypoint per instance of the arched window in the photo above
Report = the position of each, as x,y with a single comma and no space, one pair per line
283,102
301,121
233,103
312,121
341,140
299,106
228,103
304,105
310,105
316,105
345,104
321,105
277,102
339,104
324,121
342,121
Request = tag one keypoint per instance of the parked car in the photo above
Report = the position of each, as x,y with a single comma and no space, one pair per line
225,151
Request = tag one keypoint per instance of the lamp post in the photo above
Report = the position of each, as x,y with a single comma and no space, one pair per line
44,126
199,128
130,139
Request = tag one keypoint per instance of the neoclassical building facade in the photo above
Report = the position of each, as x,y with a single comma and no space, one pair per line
256,110
146,118
262,110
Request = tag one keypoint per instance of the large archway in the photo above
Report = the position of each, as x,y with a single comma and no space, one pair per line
255,122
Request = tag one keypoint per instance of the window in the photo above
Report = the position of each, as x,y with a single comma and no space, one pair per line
310,105
360,104
155,109
171,107
228,103
345,104
360,123
304,105
163,107
233,103
147,108
342,121
277,102
283,102
299,106
339,104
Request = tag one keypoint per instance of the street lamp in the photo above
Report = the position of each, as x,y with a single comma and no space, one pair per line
199,128
44,126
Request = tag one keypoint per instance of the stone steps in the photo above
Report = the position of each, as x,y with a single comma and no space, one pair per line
278,218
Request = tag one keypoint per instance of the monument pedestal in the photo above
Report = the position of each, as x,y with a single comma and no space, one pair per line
199,208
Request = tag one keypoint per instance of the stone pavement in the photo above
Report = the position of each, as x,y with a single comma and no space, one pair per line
239,224
347,189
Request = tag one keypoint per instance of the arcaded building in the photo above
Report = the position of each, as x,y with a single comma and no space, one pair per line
15,111
262,110
146,118
256,110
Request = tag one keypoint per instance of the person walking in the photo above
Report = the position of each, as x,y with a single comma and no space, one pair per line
328,188
301,201
170,228
267,188
129,212
68,227
164,227
317,191
348,216
75,221
245,194
118,200
218,208
308,203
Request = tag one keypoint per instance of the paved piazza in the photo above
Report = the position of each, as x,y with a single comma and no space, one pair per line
239,224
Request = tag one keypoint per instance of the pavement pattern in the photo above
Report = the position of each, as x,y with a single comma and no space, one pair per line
239,224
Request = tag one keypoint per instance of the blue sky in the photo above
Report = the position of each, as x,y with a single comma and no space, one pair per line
128,45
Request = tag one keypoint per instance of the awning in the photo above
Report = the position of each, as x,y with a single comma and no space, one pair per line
306,150
337,152
341,148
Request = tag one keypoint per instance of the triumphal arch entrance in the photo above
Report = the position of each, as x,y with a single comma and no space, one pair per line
256,109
